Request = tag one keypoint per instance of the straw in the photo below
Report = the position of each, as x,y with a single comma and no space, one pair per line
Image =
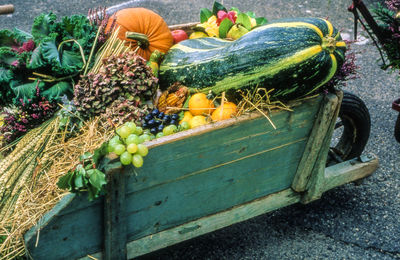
39,192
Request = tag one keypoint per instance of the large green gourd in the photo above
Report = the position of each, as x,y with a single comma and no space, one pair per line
292,56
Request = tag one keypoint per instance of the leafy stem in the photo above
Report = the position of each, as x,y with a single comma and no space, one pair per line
85,176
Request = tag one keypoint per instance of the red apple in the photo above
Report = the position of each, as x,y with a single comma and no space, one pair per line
179,35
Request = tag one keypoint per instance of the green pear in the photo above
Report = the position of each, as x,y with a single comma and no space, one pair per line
236,31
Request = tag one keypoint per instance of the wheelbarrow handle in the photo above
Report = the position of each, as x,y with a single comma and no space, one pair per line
6,9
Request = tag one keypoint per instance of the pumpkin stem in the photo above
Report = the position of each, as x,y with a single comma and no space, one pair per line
142,39
329,44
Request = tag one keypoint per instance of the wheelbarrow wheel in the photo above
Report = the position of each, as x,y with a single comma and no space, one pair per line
397,129
352,130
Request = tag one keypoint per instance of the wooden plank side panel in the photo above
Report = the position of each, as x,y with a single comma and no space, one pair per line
212,222
223,168
170,204
208,224
221,145
70,234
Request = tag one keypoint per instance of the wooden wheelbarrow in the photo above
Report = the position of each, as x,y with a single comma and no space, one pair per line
201,180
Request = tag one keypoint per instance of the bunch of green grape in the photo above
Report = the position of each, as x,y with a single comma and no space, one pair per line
128,144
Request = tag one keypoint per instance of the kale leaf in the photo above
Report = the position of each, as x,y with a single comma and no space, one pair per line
54,53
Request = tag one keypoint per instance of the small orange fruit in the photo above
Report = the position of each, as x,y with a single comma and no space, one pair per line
197,121
226,111
199,104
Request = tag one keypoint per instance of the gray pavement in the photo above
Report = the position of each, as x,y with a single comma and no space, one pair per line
349,222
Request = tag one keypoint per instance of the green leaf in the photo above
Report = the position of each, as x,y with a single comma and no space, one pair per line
43,26
218,7
97,178
80,170
251,14
224,27
7,56
21,36
57,91
5,75
99,153
244,20
78,181
6,38
235,9
85,156
65,182
199,29
50,52
93,193
25,91
36,59
205,14
261,21
71,59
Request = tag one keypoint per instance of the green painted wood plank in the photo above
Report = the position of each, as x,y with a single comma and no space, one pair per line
349,171
31,235
335,175
314,143
315,186
212,190
210,223
216,147
68,236
214,170
115,237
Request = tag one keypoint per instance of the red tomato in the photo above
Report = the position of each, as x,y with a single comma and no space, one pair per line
179,35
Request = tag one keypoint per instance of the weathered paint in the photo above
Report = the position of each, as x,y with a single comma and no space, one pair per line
198,181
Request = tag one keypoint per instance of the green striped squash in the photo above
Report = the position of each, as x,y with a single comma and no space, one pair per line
292,56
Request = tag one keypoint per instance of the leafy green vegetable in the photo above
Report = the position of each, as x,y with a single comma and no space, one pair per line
8,57
85,176
42,26
224,27
251,14
244,20
96,178
54,54
5,75
261,21
57,91
218,7
25,91
205,14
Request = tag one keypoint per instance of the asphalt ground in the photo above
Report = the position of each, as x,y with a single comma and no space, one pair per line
348,222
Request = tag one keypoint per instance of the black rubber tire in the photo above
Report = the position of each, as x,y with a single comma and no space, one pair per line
354,121
397,129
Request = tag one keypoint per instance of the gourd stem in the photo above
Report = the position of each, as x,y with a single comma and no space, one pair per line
142,39
329,43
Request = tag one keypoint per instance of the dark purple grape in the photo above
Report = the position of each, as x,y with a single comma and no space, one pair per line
148,117
174,122
155,112
158,122
161,115
160,128
145,125
166,119
174,116
152,123
153,131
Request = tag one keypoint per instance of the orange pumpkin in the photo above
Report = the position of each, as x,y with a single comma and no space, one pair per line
226,111
137,24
